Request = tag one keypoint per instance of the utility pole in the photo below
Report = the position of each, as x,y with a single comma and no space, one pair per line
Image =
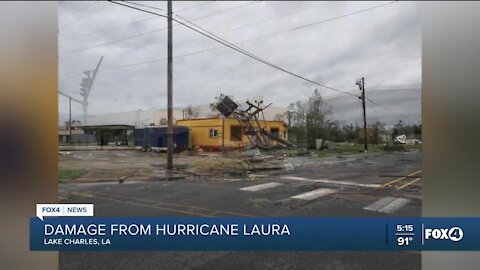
361,85
70,119
289,117
223,135
170,90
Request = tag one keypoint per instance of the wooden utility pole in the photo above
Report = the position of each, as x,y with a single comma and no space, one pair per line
170,91
70,119
223,135
364,116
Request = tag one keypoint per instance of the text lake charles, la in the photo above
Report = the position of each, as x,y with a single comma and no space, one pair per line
166,229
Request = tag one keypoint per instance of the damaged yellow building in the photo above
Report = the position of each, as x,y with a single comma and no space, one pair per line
213,133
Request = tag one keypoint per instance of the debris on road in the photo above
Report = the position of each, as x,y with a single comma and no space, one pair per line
401,139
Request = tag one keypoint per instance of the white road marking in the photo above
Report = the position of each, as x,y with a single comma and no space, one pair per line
312,195
295,178
387,205
333,182
261,186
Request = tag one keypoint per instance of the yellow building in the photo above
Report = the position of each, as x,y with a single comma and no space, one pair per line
212,133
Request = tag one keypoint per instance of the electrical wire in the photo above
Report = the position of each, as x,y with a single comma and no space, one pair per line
123,25
386,108
142,5
82,9
316,23
188,8
158,60
259,37
270,19
231,30
375,111
234,47
149,32
107,29
83,17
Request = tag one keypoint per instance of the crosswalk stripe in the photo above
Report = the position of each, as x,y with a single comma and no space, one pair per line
295,178
333,182
387,204
314,194
261,186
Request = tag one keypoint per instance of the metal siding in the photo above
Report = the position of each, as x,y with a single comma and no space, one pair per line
151,137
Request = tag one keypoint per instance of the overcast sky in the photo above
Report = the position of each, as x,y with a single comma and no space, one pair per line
382,44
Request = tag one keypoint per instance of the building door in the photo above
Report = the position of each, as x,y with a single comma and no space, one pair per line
275,132
160,142
235,133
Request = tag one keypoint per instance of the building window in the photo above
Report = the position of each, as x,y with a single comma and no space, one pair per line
275,131
235,133
213,133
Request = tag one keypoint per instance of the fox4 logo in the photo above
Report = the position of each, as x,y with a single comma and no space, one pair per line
454,234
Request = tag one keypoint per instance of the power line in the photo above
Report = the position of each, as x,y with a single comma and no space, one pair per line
238,28
386,108
340,17
277,67
258,22
159,59
289,30
149,32
195,6
316,23
110,42
82,9
142,5
83,17
275,18
233,29
195,19
234,47
123,25
107,29
375,111
225,10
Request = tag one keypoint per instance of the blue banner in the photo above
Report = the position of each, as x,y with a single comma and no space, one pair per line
273,234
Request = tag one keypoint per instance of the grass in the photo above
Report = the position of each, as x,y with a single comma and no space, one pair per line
210,166
335,149
69,197
65,175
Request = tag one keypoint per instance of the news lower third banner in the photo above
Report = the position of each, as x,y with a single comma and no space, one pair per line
281,234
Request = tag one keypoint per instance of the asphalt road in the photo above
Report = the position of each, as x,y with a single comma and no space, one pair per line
363,185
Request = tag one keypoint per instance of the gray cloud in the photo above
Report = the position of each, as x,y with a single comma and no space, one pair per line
383,45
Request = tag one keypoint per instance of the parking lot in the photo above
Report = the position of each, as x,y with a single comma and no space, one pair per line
385,184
